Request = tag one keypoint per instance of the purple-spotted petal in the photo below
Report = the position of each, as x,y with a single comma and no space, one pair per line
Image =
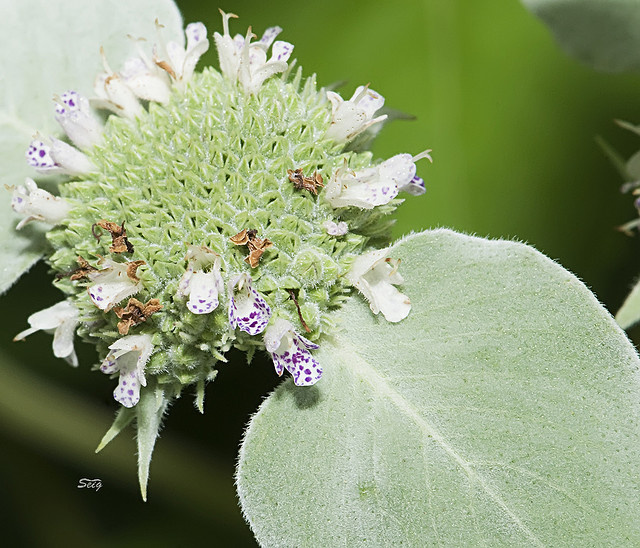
111,285
38,156
290,351
128,356
203,294
269,36
127,392
248,311
415,186
74,115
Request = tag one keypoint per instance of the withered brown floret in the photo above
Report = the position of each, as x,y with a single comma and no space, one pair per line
132,267
255,245
119,241
79,273
135,313
300,182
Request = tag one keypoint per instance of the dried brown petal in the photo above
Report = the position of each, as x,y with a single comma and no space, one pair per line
300,182
254,257
135,313
255,245
81,272
119,241
240,238
132,267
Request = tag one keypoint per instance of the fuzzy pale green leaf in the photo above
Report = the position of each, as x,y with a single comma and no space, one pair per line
604,34
502,411
149,412
50,47
629,313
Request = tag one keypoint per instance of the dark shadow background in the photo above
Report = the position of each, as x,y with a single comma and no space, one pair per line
511,122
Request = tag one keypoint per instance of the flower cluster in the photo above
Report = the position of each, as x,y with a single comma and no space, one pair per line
228,203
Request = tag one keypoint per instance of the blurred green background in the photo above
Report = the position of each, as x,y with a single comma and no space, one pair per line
511,122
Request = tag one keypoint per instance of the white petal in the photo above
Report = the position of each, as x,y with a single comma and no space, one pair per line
70,159
115,95
197,45
185,283
374,275
399,168
145,82
112,285
203,294
349,118
109,293
63,341
228,55
365,189
38,204
368,100
62,320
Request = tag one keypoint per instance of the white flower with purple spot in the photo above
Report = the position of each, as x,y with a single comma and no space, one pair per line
59,157
61,319
365,189
128,356
178,61
245,61
248,311
335,229
375,275
374,186
349,118
203,288
74,114
112,284
401,168
37,204
290,351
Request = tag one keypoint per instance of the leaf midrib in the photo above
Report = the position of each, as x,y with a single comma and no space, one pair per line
379,384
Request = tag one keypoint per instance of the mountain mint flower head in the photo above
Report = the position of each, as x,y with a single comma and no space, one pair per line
211,210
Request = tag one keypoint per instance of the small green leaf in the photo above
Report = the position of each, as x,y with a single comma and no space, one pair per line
149,412
602,33
629,313
502,411
124,417
50,47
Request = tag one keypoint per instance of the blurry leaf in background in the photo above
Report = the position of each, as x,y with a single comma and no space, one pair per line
629,313
49,48
502,411
604,34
